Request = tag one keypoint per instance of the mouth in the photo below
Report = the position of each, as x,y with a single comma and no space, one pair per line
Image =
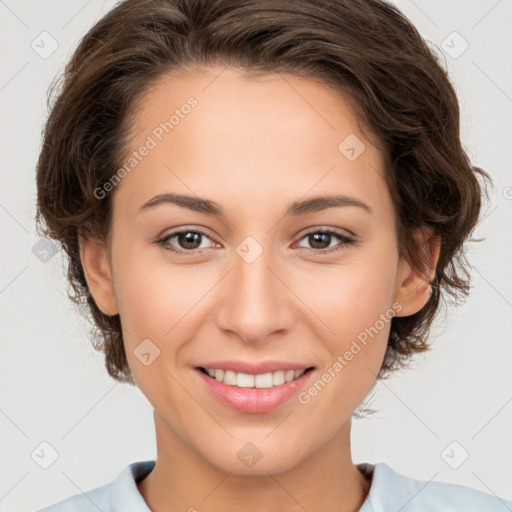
251,392
259,381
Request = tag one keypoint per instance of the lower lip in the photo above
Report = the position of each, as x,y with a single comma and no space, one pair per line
254,400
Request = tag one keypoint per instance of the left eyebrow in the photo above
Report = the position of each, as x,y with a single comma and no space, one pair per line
318,203
207,206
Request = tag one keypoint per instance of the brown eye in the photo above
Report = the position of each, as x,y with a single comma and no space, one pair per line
320,240
187,240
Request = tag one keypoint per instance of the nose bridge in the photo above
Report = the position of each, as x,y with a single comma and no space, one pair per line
255,303
254,280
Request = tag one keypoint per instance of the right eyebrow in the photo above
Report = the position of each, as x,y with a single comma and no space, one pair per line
192,203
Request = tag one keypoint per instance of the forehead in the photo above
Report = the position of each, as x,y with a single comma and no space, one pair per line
269,138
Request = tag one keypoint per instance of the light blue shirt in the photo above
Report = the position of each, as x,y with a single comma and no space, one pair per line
390,491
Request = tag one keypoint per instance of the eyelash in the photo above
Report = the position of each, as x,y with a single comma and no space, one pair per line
345,240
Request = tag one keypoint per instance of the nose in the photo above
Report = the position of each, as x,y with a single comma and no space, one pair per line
255,301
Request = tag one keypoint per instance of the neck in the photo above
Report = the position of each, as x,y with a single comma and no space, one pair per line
183,480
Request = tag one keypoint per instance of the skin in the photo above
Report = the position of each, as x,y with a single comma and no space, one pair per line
252,145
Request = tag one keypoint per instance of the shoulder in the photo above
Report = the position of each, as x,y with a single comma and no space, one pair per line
391,490
116,496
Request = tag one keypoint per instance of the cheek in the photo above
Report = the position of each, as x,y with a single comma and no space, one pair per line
153,294
357,310
162,302
354,303
350,297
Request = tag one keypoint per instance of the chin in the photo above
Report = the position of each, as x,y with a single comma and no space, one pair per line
256,458
274,465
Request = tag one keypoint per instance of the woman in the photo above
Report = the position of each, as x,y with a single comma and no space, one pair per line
262,204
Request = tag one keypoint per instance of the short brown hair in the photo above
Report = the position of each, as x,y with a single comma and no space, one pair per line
365,49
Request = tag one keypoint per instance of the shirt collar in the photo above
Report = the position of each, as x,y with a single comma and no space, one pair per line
126,496
124,493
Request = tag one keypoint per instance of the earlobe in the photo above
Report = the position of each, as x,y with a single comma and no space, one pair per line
413,289
93,255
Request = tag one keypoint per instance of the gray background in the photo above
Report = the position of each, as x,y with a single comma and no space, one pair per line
54,387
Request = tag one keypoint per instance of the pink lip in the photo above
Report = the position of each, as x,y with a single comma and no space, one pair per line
254,400
254,368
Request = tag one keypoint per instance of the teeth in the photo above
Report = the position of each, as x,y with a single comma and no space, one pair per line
289,375
278,378
263,381
229,378
245,380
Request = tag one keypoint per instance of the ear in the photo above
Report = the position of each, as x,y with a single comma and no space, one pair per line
93,255
412,287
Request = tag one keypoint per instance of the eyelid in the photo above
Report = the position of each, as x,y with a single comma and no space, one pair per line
329,229
180,229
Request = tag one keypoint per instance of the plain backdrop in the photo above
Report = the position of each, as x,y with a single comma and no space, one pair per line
455,402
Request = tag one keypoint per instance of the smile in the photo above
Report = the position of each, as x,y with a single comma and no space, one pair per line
253,393
246,380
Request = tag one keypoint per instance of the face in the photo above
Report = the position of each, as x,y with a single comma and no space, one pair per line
301,287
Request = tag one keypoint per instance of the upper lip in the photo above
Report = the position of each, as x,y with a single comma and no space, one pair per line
253,368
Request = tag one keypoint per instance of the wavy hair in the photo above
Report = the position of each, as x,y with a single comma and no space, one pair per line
367,50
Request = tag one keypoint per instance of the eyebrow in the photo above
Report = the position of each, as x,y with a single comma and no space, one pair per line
296,208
